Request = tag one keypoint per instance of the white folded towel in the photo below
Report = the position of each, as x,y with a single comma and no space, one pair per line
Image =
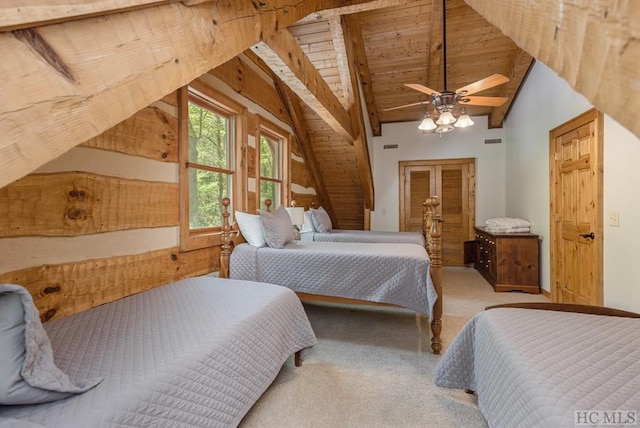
507,229
507,222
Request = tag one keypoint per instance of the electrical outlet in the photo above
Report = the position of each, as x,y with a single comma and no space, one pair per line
614,219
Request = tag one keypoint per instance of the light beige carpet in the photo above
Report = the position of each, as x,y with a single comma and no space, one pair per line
372,366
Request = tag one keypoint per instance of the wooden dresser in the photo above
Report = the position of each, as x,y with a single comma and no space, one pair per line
509,261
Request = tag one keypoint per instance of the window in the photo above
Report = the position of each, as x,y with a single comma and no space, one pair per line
271,167
209,164
209,137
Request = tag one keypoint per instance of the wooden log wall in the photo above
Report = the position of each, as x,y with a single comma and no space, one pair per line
68,204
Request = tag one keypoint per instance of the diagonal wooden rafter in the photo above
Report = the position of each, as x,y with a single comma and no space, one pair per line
240,76
360,144
82,77
521,64
595,48
357,8
362,67
337,38
298,122
285,57
295,112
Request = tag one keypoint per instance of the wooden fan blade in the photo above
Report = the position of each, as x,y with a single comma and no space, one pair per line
484,101
421,88
406,105
482,84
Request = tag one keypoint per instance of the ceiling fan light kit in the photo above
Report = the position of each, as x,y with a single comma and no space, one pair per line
448,110
464,120
427,124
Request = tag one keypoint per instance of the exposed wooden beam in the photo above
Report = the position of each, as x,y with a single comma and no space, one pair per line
360,58
594,46
521,64
68,82
357,8
337,38
292,103
249,83
360,143
16,14
285,57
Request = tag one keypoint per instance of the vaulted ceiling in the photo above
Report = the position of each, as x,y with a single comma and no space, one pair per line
380,46
72,70
403,43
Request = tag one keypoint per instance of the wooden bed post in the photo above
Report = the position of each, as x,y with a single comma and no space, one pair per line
433,239
225,247
268,203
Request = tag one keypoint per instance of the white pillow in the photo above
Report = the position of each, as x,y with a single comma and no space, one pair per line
277,227
28,374
307,226
251,228
321,220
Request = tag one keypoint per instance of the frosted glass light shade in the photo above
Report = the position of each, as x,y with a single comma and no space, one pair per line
297,215
443,129
464,121
446,118
427,124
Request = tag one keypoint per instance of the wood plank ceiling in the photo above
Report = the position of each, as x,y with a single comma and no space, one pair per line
395,45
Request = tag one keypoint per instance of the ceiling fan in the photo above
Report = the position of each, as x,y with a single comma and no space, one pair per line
445,102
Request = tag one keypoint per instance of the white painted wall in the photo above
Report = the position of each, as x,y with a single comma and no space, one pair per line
414,145
621,194
546,101
513,178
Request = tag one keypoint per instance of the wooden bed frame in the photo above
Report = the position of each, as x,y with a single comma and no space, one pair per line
433,242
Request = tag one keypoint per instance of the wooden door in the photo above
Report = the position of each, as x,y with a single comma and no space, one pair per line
576,210
454,181
417,182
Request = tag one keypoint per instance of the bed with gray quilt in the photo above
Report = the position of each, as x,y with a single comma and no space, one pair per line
385,273
364,236
540,368
198,352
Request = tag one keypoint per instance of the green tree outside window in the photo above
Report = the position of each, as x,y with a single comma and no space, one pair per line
209,166
270,176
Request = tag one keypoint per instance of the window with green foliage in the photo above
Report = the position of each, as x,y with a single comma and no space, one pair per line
210,162
270,168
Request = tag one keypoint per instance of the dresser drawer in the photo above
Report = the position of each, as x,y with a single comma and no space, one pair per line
508,261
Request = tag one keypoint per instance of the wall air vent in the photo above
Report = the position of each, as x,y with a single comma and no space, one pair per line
390,146
493,141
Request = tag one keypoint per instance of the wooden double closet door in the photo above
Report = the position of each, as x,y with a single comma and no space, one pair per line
454,181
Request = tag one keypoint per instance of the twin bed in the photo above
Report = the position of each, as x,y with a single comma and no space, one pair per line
198,352
406,275
548,365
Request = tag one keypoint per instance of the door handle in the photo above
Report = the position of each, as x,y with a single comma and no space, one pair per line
588,235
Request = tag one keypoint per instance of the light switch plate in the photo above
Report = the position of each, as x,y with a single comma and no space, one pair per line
614,219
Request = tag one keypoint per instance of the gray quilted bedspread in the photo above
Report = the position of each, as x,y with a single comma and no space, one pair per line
196,353
534,368
365,236
387,273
